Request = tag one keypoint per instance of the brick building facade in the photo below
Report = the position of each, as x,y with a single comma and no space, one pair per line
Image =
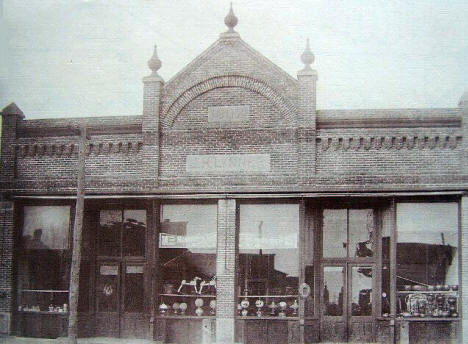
235,133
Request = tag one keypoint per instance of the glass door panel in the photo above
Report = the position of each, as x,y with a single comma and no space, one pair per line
361,304
335,235
108,300
361,291
333,290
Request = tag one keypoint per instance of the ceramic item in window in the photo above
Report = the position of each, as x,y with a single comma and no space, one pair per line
259,304
213,307
182,307
175,307
199,309
245,305
163,308
283,306
295,307
272,307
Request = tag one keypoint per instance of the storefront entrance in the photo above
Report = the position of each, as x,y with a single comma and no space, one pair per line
348,276
347,303
119,300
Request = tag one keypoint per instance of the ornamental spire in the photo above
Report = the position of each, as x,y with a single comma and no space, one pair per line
230,20
307,56
154,63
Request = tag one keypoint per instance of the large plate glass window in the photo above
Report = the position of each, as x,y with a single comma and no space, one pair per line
268,260
187,253
427,259
44,259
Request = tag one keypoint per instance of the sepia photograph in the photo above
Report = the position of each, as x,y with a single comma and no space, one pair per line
246,172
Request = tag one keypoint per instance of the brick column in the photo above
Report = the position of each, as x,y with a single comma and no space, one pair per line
464,267
152,88
11,116
307,117
6,264
226,272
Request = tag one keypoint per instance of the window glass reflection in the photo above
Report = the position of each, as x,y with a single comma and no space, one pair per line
333,290
268,254
427,248
361,232
187,243
361,291
110,222
334,233
134,232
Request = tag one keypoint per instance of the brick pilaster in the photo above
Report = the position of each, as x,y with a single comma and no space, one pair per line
6,263
11,116
152,87
307,117
464,266
226,272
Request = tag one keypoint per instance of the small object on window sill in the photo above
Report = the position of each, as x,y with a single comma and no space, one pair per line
183,308
199,304
163,308
213,307
294,307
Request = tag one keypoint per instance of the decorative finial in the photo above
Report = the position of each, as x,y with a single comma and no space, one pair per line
230,20
154,63
307,56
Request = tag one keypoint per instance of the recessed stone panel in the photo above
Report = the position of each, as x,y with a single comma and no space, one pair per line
228,114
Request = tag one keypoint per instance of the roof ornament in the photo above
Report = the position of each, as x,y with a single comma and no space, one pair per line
154,63
307,56
230,20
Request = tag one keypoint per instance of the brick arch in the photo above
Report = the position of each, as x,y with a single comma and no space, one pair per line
285,108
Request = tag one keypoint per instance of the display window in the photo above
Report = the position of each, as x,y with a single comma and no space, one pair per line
427,259
268,260
187,255
44,259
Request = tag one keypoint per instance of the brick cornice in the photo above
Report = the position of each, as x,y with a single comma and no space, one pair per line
344,143
170,112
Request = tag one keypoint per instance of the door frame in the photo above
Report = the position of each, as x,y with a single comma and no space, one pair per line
347,263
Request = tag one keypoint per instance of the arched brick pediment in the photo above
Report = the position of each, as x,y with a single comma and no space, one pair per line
172,111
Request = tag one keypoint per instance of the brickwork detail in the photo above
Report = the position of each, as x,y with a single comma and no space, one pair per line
6,255
464,265
169,114
225,271
71,149
388,142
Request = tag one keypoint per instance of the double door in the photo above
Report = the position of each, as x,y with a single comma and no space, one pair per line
120,303
347,302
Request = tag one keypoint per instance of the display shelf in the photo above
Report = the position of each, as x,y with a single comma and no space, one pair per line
253,317
434,319
43,291
43,312
267,296
450,292
188,295
173,316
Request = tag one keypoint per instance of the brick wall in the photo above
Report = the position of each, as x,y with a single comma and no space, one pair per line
386,151
6,264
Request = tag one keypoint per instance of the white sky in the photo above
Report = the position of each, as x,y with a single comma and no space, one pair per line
64,58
